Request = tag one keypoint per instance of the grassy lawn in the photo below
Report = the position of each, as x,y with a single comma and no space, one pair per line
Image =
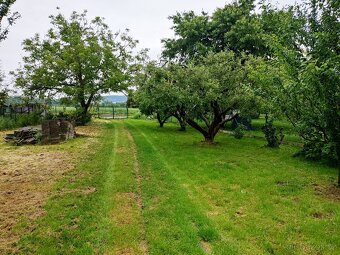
141,189
237,197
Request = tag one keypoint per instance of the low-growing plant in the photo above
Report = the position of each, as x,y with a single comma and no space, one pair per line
20,120
273,136
239,131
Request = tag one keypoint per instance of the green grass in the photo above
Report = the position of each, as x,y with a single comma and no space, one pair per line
81,222
253,199
162,191
257,124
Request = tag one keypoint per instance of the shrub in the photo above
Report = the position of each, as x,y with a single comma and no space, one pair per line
274,138
81,118
20,120
239,131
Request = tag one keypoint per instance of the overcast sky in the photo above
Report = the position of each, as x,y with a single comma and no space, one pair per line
146,19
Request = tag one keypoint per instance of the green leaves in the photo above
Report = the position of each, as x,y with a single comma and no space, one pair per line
5,6
78,58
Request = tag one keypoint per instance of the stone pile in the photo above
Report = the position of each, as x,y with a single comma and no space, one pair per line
56,131
51,132
26,135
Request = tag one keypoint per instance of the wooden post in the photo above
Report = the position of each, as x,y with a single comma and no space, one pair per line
127,111
113,112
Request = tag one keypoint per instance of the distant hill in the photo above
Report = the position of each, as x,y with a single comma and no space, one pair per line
114,99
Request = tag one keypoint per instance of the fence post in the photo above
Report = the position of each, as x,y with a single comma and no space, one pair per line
98,111
127,112
113,112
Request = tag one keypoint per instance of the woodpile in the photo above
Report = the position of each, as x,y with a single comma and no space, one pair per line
26,135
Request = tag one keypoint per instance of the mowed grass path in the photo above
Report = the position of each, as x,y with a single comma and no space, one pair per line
159,191
237,197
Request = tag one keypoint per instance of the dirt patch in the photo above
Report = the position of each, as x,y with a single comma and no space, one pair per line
126,251
330,192
206,247
120,150
27,176
322,215
26,179
125,214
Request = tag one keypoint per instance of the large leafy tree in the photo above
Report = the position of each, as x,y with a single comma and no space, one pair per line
216,89
236,27
6,17
159,93
79,59
311,98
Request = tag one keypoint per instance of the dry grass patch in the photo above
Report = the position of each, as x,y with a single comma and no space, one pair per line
27,177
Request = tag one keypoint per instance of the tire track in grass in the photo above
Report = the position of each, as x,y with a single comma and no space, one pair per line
126,216
175,225
139,197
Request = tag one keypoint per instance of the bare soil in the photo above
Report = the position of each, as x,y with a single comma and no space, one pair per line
27,177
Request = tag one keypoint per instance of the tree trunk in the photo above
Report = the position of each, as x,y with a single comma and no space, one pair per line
181,121
162,121
338,155
209,134
209,138
183,126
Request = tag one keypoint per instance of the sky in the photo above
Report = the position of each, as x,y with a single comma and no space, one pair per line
147,20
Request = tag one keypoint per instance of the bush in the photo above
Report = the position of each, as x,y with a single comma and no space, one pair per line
274,138
239,131
20,120
80,117
316,147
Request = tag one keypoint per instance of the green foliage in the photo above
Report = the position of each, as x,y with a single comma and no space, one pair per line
78,58
77,116
231,28
273,136
20,120
239,131
80,117
5,14
310,95
216,89
157,93
3,90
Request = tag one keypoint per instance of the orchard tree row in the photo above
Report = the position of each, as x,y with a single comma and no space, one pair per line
245,58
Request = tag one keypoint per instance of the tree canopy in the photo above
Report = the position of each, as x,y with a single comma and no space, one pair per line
78,58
